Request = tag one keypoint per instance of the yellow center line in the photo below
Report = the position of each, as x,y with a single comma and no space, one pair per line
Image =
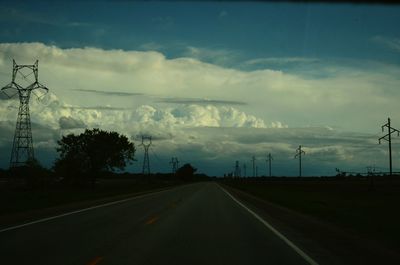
95,261
152,220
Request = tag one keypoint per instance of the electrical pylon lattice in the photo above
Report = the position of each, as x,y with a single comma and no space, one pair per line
22,151
175,164
146,143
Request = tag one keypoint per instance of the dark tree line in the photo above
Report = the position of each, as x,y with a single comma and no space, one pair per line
86,156
186,171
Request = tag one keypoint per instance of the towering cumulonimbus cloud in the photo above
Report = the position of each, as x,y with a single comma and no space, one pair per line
220,113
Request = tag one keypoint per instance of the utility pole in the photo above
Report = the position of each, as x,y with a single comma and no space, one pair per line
22,150
237,169
269,163
299,152
253,160
146,143
388,138
244,170
172,162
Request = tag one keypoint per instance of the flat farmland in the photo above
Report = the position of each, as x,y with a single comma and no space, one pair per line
23,204
349,204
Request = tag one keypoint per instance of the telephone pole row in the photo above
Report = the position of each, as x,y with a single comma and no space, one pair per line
388,138
299,152
253,160
269,160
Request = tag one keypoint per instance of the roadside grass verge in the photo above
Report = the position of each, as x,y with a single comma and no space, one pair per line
25,201
345,203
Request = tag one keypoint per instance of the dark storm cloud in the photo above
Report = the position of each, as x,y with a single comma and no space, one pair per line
40,132
3,96
8,94
304,136
200,101
155,136
94,108
44,133
70,123
7,131
110,93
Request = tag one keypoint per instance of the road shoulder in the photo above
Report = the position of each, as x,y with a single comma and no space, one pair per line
325,242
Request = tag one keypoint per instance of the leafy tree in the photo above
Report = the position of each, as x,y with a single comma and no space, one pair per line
186,171
92,152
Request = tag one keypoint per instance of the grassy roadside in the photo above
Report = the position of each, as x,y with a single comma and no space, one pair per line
345,203
22,202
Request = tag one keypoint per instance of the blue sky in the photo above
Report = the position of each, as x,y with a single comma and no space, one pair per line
251,29
315,73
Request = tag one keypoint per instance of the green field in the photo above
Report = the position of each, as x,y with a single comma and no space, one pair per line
345,203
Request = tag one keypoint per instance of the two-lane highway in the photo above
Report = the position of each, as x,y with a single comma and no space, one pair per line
192,224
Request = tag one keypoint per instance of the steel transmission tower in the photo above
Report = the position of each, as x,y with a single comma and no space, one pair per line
269,160
22,150
253,160
174,162
146,143
177,164
237,169
388,138
299,152
244,170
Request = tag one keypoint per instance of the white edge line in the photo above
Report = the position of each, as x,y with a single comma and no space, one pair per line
276,232
79,211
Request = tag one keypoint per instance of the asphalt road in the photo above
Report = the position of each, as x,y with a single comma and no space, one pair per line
192,224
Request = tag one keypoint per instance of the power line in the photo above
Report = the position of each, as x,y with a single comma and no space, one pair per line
388,138
299,152
22,151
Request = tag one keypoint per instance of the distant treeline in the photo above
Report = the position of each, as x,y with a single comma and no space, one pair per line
87,157
40,177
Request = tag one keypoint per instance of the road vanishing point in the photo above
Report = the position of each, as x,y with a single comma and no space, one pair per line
199,223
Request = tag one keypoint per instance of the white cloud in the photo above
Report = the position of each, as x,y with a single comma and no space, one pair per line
391,43
271,95
281,60
222,57
127,86
70,123
180,116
